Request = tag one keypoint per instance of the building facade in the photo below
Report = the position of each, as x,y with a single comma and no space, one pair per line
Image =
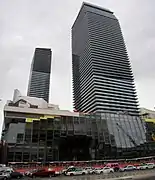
149,117
102,76
3,152
39,81
36,131
147,113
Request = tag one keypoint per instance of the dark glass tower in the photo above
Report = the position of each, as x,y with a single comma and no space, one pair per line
102,74
39,81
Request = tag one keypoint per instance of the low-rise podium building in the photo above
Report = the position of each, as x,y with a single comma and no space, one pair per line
36,131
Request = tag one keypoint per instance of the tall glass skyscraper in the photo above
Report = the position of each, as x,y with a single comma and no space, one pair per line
39,82
102,75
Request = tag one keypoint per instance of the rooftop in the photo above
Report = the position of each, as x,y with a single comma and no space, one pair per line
91,6
33,105
145,110
96,7
45,49
40,111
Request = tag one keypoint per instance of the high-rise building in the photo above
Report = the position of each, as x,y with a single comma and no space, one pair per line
39,82
102,75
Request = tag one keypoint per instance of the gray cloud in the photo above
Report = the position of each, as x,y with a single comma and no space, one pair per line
27,24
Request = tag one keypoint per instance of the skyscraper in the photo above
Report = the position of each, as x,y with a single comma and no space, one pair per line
102,74
39,82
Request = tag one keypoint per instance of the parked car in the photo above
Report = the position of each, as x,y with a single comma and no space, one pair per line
6,173
90,170
45,172
2,165
144,166
9,173
128,168
4,176
28,173
104,170
58,171
115,166
16,175
6,169
66,169
150,165
76,171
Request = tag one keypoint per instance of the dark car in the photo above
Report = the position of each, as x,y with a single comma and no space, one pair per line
3,178
46,172
16,175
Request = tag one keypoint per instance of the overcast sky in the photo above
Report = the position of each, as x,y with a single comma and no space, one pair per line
27,24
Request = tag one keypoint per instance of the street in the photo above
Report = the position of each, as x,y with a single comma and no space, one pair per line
139,175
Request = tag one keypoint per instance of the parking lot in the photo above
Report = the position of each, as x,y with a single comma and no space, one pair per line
101,176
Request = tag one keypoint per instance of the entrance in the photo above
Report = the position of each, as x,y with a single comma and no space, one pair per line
75,148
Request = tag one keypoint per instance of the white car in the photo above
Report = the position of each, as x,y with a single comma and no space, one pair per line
150,165
6,169
66,169
128,168
28,173
146,166
5,175
104,170
90,170
76,171
142,167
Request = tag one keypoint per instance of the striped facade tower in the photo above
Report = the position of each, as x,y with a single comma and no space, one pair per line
39,82
102,76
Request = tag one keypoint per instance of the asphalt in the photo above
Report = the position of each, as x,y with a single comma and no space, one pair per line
133,175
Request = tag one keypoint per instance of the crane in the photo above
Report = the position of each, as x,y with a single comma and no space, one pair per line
131,139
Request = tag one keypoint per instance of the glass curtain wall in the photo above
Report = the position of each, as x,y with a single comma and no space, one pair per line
93,136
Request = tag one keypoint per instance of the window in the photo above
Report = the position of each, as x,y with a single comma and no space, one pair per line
82,120
43,124
33,106
76,120
20,137
11,156
34,136
26,156
34,156
18,156
50,124
42,135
